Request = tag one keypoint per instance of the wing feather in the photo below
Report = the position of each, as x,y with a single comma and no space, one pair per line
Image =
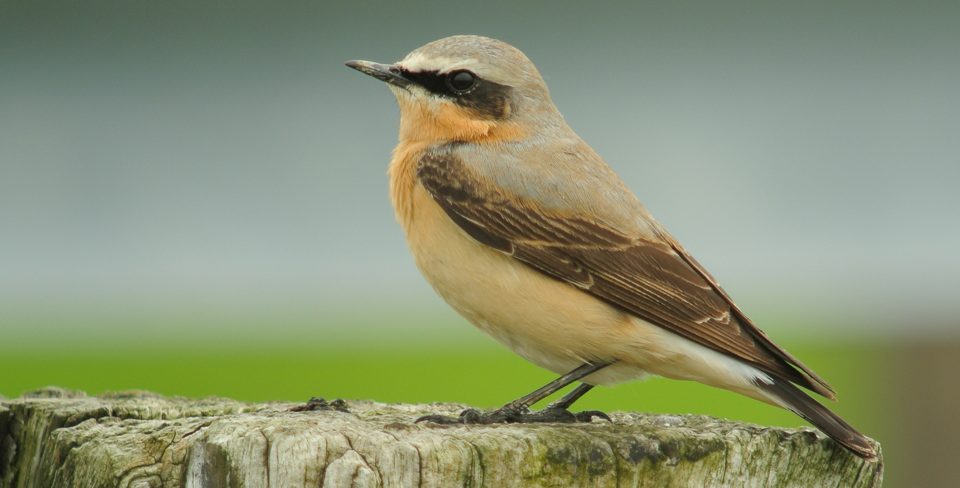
653,279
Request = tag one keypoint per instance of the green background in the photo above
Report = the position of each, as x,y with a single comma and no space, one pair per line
193,198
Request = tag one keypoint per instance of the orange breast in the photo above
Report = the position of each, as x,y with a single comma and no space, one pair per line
426,124
403,179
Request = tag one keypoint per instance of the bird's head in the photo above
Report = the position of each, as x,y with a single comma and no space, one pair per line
465,88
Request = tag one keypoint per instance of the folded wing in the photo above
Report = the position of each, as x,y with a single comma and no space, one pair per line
649,276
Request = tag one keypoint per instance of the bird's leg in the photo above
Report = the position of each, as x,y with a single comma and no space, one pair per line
564,404
571,397
519,409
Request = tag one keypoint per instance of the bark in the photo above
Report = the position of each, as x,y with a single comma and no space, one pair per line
138,439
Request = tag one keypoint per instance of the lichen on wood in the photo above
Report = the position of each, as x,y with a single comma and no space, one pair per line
138,439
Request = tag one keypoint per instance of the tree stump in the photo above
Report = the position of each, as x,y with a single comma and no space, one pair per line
58,438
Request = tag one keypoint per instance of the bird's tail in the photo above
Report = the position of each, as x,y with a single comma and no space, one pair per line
794,399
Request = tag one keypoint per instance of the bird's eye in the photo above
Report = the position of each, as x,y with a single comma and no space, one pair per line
461,81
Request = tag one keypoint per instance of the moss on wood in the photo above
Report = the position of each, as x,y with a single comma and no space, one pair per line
138,439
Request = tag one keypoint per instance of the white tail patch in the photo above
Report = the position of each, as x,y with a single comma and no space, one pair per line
673,356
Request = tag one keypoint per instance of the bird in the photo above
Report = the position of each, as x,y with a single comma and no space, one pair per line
523,229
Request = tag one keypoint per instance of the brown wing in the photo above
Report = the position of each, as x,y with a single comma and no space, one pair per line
654,279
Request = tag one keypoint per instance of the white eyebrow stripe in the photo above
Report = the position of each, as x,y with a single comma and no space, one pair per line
421,62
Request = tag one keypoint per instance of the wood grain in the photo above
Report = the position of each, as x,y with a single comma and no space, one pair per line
138,439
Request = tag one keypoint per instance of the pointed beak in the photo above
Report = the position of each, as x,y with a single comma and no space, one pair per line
384,72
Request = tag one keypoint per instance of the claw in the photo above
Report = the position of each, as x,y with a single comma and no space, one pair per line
588,416
551,415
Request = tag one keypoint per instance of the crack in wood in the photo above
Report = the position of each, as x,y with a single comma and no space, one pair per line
148,440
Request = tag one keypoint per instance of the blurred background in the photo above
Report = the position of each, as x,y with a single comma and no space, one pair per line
193,197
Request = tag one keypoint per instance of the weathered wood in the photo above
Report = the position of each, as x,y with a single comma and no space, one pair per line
138,439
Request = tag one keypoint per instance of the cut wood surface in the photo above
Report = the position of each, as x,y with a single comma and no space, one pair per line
59,438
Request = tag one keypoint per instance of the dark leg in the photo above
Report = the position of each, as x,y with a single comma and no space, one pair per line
554,386
574,395
571,397
517,410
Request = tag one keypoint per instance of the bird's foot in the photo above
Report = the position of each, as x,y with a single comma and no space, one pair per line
511,414
316,403
562,415
507,414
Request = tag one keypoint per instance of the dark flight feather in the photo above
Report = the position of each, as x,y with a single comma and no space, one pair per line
828,422
653,279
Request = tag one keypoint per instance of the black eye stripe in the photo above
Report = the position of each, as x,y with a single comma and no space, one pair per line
487,98
444,84
433,81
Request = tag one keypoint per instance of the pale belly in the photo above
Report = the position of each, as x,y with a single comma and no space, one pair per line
551,323
546,321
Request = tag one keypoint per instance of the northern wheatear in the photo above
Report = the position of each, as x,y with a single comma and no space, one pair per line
524,230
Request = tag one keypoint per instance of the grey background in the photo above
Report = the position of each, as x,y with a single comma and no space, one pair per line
218,156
